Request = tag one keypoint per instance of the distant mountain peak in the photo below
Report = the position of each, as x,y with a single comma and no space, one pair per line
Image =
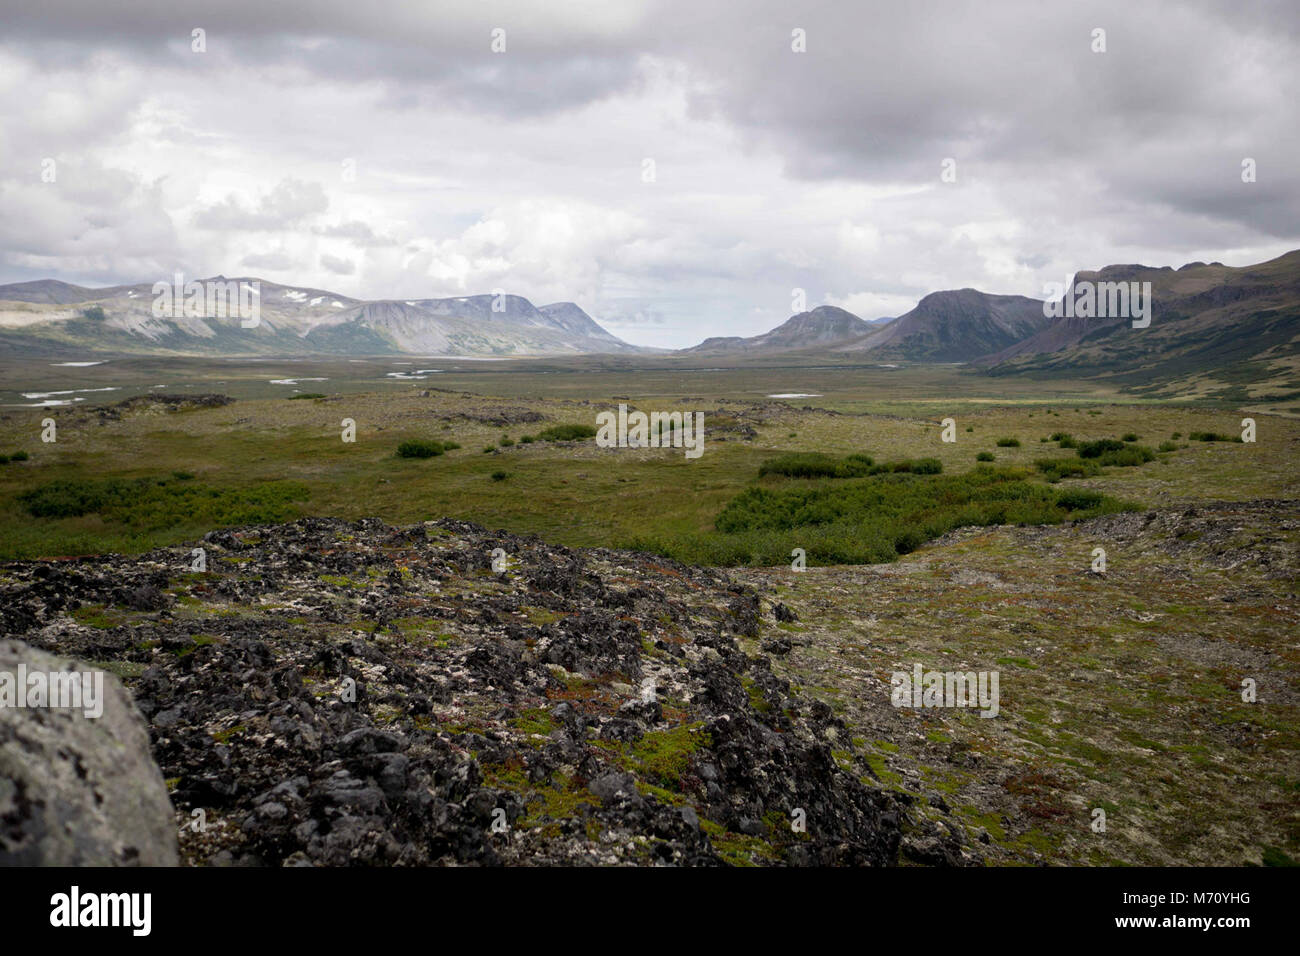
296,320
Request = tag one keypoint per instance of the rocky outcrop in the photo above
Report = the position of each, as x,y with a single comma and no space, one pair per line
335,693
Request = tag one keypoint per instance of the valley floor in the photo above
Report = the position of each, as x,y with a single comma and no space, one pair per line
1121,691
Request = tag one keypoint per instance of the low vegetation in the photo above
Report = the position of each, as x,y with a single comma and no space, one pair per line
421,448
818,465
567,433
876,519
163,502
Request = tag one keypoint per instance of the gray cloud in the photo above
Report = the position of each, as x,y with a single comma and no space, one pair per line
775,170
338,266
287,204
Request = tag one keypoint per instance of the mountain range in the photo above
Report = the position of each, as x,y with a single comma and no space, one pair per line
1220,331
1216,330
50,315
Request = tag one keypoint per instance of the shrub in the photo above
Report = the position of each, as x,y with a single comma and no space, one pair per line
507,442
153,503
567,433
1176,435
490,450
1213,436
923,466
1054,469
500,475
527,440
871,519
307,395
1127,457
450,445
183,475
1168,446
985,456
1095,449
1008,442
970,428
19,456
1129,436
419,448
814,464
1079,499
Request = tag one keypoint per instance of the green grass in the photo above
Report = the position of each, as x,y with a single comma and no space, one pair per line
88,515
876,519
567,433
420,448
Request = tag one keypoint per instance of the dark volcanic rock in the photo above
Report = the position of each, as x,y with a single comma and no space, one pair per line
342,693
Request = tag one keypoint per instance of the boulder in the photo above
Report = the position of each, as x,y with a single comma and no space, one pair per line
78,790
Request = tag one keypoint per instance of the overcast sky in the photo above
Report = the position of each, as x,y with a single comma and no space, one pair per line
384,150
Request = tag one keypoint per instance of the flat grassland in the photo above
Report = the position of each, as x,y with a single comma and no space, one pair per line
1121,691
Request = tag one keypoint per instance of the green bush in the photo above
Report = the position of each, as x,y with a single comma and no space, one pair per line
500,475
19,456
1129,436
1095,449
1168,446
307,395
814,464
1213,436
1008,442
527,440
4,459
1054,469
1127,457
1079,499
154,503
985,456
567,433
507,442
870,520
921,466
420,448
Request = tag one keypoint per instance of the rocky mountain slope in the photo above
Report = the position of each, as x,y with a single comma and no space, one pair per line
1213,321
47,315
823,326
340,693
954,326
